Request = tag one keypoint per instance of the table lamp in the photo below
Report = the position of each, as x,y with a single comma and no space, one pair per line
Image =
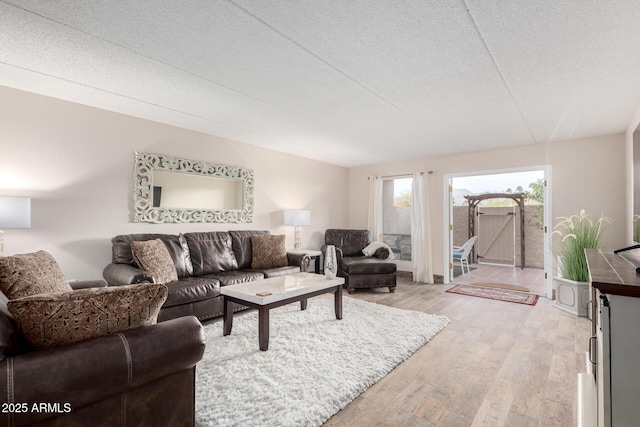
297,218
15,212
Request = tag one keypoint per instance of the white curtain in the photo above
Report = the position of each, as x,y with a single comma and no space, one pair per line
375,208
421,260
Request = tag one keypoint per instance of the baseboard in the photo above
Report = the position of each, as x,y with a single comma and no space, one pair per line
404,274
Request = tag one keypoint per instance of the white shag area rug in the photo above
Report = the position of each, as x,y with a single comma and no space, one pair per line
315,364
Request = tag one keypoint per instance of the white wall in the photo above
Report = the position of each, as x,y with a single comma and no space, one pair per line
586,174
76,163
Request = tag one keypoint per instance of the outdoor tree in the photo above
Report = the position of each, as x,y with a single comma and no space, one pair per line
403,200
537,191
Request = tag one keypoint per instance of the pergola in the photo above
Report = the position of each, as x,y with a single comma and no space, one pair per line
474,201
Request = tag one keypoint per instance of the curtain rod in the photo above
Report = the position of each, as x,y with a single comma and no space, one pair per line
407,175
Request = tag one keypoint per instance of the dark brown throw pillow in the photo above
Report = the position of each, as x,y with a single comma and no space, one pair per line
268,251
30,274
56,319
153,257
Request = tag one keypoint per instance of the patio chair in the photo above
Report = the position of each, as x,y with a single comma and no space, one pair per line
391,241
461,253
404,243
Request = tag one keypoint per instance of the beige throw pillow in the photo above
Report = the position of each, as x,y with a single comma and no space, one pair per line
30,274
153,257
268,251
56,319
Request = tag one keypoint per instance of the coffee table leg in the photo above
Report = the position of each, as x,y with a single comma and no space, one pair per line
337,302
263,328
303,304
227,322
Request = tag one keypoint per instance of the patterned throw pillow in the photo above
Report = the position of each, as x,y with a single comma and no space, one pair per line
55,319
268,251
30,274
153,257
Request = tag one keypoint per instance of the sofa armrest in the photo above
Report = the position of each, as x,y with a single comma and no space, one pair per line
295,260
91,371
125,274
85,284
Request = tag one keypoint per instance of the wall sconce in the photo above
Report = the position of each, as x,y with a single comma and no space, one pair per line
297,218
15,212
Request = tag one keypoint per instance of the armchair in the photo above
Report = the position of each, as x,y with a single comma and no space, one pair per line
145,376
139,376
358,270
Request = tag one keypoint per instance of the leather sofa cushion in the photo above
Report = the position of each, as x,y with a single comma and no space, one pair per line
55,319
268,251
211,252
235,277
367,265
192,289
153,257
241,240
351,242
121,250
30,274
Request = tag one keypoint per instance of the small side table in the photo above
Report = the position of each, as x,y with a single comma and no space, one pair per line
313,254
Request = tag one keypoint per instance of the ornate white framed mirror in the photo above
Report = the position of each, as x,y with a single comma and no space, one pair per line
169,189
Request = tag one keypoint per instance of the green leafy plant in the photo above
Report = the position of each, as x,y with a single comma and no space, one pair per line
577,233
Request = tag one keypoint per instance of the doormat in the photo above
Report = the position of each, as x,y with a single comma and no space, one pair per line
507,286
496,294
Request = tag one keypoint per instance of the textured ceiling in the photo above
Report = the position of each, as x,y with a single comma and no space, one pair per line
346,82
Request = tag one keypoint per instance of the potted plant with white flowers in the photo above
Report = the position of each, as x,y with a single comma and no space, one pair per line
576,233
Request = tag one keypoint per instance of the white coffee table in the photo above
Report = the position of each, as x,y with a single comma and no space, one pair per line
281,291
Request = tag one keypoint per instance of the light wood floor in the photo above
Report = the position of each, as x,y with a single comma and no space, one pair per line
496,364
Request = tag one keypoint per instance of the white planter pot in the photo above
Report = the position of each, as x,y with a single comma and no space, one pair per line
572,296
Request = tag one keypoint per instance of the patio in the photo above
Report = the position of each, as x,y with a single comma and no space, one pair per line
532,278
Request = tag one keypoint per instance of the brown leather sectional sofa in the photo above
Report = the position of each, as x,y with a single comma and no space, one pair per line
204,261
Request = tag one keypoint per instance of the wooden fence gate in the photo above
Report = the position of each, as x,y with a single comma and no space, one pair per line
496,235
474,217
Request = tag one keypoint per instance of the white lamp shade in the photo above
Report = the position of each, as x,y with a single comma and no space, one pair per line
297,217
15,212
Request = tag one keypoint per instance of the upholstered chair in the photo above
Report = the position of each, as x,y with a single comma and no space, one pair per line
359,270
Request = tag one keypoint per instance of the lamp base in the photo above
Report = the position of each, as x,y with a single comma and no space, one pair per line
296,237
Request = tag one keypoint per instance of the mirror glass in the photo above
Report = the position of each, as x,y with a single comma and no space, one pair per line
183,191
169,189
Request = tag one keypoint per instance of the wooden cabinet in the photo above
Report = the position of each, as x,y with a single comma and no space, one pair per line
615,345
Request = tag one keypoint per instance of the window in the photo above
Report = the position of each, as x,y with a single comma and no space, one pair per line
396,216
